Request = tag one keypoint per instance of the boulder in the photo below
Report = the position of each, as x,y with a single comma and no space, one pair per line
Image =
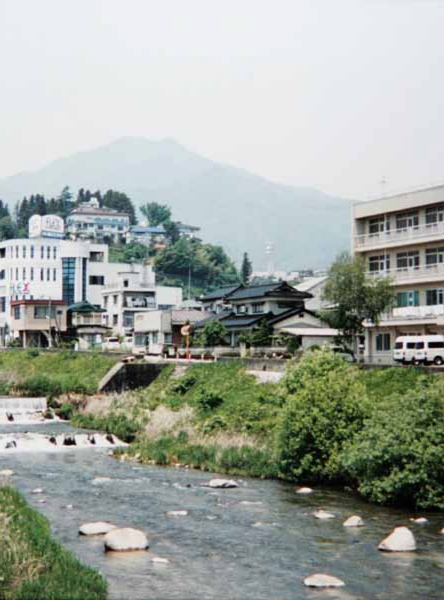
69,440
6,473
9,445
321,580
125,540
419,520
323,515
96,528
304,491
99,480
221,483
177,513
400,540
353,521
442,531
37,491
159,560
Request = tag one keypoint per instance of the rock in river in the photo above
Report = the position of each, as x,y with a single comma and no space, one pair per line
321,580
96,528
353,521
419,520
221,483
323,515
177,513
37,491
6,473
400,540
125,540
304,491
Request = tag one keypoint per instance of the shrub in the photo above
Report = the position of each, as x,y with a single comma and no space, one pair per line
33,353
41,385
247,460
326,405
65,412
209,400
118,424
398,457
185,384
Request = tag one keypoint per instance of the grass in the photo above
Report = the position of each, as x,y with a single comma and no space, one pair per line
32,565
35,373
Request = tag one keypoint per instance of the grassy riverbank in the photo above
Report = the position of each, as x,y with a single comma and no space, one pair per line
35,373
380,432
32,565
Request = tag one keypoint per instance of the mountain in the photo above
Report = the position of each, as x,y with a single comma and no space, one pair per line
235,208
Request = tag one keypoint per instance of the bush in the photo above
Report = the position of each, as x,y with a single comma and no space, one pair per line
66,411
117,424
40,385
398,457
33,353
185,384
326,405
209,400
249,461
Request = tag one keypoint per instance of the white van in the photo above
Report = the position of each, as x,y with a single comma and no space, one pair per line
111,343
405,348
430,349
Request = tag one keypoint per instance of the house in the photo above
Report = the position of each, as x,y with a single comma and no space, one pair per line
157,235
241,309
91,221
87,323
157,331
315,286
39,323
402,237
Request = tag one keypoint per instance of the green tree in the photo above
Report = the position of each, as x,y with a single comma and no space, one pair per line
326,404
262,335
7,228
355,297
171,231
155,213
135,252
214,333
118,201
246,269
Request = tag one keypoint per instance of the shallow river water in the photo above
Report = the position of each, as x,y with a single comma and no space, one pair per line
224,548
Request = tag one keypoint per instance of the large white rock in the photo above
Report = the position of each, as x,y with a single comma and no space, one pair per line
400,540
126,540
6,473
419,520
321,580
96,528
177,513
221,483
304,491
442,531
323,515
353,521
160,560
37,491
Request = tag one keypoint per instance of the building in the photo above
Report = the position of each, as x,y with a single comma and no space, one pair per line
402,237
38,322
315,286
89,221
158,331
46,267
87,324
133,291
157,236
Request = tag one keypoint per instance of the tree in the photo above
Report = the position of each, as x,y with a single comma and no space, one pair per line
155,213
246,269
7,229
118,201
355,297
214,333
135,252
262,335
171,231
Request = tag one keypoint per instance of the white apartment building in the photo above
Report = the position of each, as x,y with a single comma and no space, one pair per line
90,221
402,237
48,267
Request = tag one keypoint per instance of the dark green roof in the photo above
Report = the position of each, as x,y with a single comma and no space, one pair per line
220,292
268,289
85,307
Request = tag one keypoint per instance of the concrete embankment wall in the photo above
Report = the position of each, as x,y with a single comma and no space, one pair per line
130,376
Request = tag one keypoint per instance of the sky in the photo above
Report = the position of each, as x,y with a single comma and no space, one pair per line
346,96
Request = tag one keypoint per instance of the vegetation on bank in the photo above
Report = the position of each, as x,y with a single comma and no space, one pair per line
380,432
35,373
32,565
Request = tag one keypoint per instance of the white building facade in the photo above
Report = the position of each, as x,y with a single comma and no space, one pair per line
90,221
402,237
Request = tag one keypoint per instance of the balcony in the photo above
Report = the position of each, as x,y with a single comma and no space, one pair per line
415,314
400,237
425,274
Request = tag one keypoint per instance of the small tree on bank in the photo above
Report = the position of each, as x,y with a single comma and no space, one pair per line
246,269
355,298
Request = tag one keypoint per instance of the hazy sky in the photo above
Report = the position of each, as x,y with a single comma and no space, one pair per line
335,94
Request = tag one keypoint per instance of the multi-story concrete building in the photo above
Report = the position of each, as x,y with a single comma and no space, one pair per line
402,237
90,221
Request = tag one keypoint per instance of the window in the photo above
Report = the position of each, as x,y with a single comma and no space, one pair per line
242,309
16,312
16,251
32,251
115,317
2,252
68,280
48,252
125,283
2,274
377,225
407,260
419,345
435,344
382,342
54,252
434,256
115,298
99,227
42,252
128,320
258,307
410,345
48,274
32,273
2,304
96,280
435,215
24,273
407,220
42,274
408,298
378,263
105,301
84,276
434,297
42,312
16,274
54,274
168,338
24,251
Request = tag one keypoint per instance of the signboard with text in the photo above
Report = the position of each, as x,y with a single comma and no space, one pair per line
49,226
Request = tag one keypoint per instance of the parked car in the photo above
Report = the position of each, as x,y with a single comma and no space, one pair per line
111,343
429,349
405,348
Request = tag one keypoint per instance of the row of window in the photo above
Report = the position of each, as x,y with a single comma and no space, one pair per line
45,251
40,312
406,220
411,297
407,260
34,274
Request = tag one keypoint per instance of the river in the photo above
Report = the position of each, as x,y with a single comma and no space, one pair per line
223,548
